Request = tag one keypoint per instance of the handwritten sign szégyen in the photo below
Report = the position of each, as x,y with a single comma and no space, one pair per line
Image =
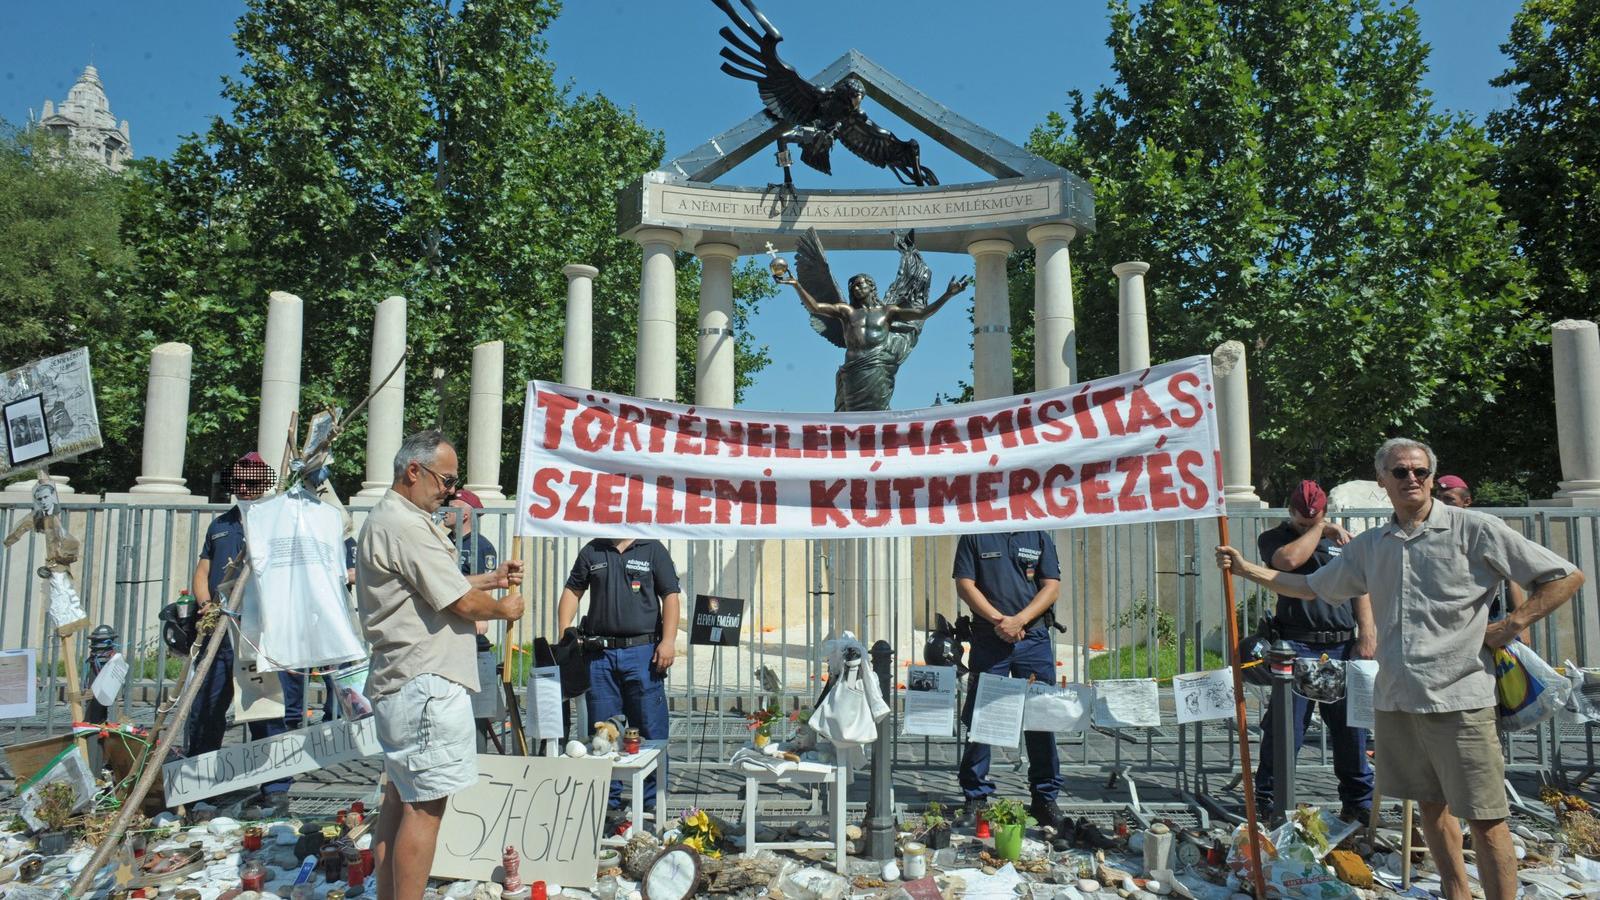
281,756
552,809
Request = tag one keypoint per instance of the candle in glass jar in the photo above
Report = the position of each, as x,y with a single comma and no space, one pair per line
253,877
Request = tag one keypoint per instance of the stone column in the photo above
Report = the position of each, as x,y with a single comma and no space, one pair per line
387,412
166,421
991,320
577,357
1575,354
713,371
1055,336
1233,424
280,375
1133,328
655,372
484,427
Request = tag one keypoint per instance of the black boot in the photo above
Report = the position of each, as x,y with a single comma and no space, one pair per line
1089,835
1046,813
1066,835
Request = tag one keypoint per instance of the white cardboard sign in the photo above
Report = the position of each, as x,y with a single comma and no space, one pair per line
551,808
281,756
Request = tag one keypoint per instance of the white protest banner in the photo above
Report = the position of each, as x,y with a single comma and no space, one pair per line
257,762
551,808
1136,447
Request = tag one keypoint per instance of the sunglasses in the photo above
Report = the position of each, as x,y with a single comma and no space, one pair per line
1400,473
449,481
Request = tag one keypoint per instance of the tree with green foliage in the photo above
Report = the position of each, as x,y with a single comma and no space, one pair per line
1282,170
62,265
414,147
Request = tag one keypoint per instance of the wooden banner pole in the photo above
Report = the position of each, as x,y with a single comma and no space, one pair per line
1239,719
509,663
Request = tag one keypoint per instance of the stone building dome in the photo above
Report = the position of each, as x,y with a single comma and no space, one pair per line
85,120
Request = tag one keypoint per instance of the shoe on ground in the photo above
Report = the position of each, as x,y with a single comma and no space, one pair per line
971,808
1046,813
1090,835
1361,814
1066,835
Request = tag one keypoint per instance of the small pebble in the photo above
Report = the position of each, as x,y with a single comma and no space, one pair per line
987,870
1156,887
1521,852
891,871
1129,886
852,832
576,749
1088,885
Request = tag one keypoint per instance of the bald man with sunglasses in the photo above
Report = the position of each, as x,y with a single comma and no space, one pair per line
1431,573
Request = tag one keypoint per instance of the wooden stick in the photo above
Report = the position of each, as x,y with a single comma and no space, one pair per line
1377,815
509,661
1405,845
151,764
1239,718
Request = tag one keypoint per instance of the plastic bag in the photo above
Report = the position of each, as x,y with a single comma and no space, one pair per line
295,547
1289,865
1583,701
1527,690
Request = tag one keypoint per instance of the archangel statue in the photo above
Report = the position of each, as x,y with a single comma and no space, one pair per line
877,335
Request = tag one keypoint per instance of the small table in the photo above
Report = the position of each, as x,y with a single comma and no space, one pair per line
835,777
637,767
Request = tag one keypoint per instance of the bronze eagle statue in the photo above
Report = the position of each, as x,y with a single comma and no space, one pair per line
813,117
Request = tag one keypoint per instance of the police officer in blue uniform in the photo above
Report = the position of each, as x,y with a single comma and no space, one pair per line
248,479
474,551
633,611
1315,628
1009,580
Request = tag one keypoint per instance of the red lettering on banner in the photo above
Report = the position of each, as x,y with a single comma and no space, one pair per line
740,492
942,491
1130,500
1000,424
824,508
576,511
666,492
906,490
894,441
685,445
542,489
1054,427
717,435
696,502
1106,400
636,514
987,493
607,498
782,447
814,441
628,419
1162,495
858,502
1023,504
769,502
864,436
945,437
555,408
660,424
1144,413
1188,462
758,442
1080,411
1025,423
1175,386
1096,490
1058,480
594,418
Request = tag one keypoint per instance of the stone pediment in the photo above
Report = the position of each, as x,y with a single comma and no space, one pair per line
1028,190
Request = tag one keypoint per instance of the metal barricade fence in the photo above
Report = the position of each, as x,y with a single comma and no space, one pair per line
1137,601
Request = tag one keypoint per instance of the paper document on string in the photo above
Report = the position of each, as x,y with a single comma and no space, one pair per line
930,701
1360,677
997,710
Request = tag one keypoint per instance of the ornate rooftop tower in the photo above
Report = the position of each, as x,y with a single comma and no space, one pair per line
85,120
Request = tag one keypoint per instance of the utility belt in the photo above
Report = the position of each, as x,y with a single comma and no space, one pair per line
623,641
1307,636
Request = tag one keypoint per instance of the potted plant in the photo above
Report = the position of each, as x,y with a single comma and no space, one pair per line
761,722
935,827
1008,818
56,800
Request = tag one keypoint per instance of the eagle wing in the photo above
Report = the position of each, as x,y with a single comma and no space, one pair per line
788,97
811,270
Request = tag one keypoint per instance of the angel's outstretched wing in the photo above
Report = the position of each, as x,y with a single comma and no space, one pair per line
788,97
811,270
911,283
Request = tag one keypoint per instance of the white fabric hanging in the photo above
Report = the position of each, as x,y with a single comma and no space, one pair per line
295,546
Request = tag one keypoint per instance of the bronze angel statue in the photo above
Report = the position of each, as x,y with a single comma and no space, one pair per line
877,335
811,116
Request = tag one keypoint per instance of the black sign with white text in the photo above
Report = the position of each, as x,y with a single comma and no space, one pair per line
716,621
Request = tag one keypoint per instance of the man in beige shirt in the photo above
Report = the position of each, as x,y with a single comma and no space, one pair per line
420,615
1431,573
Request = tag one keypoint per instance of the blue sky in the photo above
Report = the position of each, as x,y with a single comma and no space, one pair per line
1003,64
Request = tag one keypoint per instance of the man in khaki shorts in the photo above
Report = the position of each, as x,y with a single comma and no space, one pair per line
1431,573
420,615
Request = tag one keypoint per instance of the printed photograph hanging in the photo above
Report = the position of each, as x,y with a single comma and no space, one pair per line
27,433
